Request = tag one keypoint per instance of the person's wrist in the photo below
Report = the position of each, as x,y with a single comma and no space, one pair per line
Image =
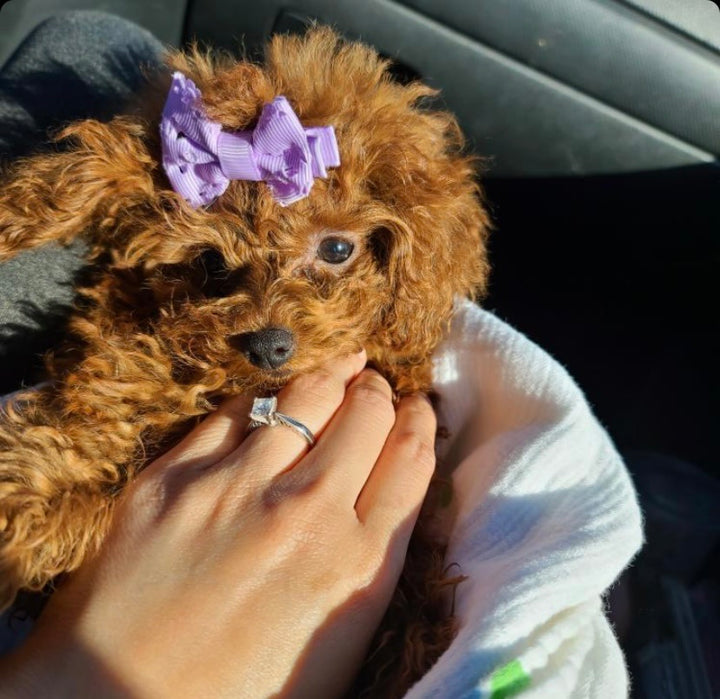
52,667
22,676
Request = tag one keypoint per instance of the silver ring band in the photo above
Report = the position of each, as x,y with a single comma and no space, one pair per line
264,414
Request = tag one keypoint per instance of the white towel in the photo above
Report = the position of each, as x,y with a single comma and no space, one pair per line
545,519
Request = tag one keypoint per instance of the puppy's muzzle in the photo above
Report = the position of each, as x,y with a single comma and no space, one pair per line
267,349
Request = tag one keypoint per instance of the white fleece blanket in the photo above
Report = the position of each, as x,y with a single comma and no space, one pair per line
545,519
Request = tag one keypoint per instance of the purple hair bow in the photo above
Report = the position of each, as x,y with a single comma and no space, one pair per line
200,158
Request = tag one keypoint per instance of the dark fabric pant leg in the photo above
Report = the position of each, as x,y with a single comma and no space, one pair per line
76,65
73,66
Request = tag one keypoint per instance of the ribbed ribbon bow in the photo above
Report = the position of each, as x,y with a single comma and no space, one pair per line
200,158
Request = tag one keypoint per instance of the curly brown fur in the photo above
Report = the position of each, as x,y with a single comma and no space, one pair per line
151,346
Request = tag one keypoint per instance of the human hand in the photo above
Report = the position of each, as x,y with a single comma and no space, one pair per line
246,565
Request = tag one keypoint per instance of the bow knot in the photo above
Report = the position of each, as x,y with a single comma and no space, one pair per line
200,158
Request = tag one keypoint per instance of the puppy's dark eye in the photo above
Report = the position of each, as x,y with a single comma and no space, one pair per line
335,250
216,279
213,263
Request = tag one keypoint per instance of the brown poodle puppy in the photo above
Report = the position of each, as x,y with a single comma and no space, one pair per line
373,258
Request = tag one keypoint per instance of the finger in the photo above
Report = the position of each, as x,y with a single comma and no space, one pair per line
212,440
395,489
311,399
354,439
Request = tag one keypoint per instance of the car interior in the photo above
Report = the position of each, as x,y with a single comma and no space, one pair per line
598,125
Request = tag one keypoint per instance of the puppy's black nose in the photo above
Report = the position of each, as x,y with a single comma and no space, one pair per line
269,348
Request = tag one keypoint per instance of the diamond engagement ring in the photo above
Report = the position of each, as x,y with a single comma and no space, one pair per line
264,413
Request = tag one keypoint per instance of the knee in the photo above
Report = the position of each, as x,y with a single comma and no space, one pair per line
76,65
90,34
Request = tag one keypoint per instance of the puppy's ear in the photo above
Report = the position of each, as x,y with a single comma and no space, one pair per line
98,171
433,255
